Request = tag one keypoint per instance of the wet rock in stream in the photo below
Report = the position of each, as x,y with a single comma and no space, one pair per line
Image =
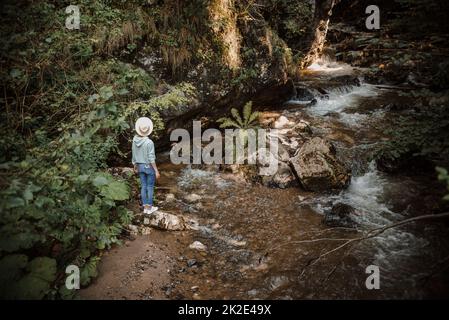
304,94
346,80
283,178
339,216
317,167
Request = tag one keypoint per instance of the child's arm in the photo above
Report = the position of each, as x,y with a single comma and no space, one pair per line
152,158
156,171
133,160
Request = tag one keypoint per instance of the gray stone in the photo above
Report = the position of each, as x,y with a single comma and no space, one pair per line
317,167
133,228
145,231
170,197
192,198
339,216
191,263
167,221
283,178
196,245
281,122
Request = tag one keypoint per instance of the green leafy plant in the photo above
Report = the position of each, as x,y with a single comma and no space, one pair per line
58,205
248,120
244,122
424,134
23,279
443,176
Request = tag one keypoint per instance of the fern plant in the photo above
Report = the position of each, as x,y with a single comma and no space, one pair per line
246,121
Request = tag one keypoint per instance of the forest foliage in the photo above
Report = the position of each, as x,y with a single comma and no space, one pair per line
69,97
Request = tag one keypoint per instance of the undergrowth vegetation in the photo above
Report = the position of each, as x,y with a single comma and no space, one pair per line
422,133
68,96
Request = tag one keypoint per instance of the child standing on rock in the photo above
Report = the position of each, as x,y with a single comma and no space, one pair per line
144,161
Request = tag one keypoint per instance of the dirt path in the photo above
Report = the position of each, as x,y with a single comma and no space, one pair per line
140,269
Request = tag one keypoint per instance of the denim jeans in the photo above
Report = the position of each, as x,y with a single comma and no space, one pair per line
147,179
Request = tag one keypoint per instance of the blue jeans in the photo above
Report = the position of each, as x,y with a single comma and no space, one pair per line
147,179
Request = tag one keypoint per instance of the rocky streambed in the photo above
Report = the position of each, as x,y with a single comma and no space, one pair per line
276,238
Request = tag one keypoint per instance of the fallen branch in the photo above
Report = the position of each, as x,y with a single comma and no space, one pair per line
370,234
388,87
375,232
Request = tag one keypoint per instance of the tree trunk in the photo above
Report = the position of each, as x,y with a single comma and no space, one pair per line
323,11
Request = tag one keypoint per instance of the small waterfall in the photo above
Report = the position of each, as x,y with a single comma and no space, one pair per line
333,89
338,100
327,63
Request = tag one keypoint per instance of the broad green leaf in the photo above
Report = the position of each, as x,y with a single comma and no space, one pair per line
441,170
34,212
43,268
84,253
66,294
82,178
100,181
93,98
229,123
123,91
253,117
106,92
14,202
30,287
15,73
42,200
11,242
27,195
11,267
89,271
116,190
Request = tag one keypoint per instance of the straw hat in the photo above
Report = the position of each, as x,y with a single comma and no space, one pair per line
144,126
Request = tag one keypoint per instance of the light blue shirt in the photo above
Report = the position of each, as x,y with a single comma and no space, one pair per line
143,150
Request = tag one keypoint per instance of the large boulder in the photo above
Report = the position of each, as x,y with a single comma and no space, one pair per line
346,80
317,167
304,94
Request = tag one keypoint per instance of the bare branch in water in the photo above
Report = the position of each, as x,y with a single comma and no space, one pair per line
370,234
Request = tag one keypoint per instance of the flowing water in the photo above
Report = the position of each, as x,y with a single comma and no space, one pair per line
266,243
270,243
404,255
